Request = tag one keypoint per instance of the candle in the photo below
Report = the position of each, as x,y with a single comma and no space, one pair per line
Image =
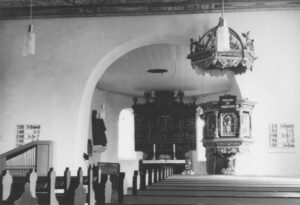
174,151
154,148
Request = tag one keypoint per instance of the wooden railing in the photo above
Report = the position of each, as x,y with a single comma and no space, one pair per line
36,155
149,177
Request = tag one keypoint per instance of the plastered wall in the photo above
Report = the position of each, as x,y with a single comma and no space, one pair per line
114,104
55,88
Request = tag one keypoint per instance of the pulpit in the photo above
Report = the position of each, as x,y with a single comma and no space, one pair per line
227,132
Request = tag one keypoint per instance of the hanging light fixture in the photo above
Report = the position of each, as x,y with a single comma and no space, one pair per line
221,48
29,41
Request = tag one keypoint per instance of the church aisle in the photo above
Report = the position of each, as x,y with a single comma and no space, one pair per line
220,190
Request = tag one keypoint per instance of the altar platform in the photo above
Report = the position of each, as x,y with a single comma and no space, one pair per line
178,165
163,161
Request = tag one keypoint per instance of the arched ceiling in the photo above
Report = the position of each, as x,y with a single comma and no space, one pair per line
128,75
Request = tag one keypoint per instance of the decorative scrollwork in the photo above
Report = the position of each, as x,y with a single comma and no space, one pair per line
205,57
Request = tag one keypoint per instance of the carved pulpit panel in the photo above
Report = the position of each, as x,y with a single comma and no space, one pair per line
228,124
227,132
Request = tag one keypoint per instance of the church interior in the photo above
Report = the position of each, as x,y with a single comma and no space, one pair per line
165,102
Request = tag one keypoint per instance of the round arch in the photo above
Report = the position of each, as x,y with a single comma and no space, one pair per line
81,135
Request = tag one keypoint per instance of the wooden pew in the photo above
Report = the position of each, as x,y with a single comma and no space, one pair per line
103,186
91,193
45,188
26,197
12,188
134,183
74,190
149,176
110,187
5,188
121,188
32,189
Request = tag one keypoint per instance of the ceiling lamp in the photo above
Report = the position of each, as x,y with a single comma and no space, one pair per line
29,41
157,70
221,48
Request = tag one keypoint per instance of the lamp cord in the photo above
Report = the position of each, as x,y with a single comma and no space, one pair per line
222,9
30,15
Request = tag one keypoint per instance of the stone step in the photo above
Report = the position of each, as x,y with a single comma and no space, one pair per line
239,182
231,178
232,181
229,185
220,193
225,188
209,200
150,203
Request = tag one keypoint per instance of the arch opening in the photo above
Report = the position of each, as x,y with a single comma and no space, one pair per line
82,128
97,73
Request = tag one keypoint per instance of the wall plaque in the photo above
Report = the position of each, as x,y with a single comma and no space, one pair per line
281,137
27,133
227,102
109,168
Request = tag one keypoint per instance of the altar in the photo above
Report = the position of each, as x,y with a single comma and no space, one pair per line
166,162
178,165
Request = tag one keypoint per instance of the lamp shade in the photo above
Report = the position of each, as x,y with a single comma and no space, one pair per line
222,49
29,42
222,39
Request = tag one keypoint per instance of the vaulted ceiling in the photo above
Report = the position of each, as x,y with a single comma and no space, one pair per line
128,75
10,9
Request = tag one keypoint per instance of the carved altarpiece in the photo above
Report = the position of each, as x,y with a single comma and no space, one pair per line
227,132
166,122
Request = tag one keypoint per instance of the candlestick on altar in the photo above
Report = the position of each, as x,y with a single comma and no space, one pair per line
154,150
174,151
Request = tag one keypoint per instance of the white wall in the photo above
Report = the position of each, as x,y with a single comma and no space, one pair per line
55,87
114,104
